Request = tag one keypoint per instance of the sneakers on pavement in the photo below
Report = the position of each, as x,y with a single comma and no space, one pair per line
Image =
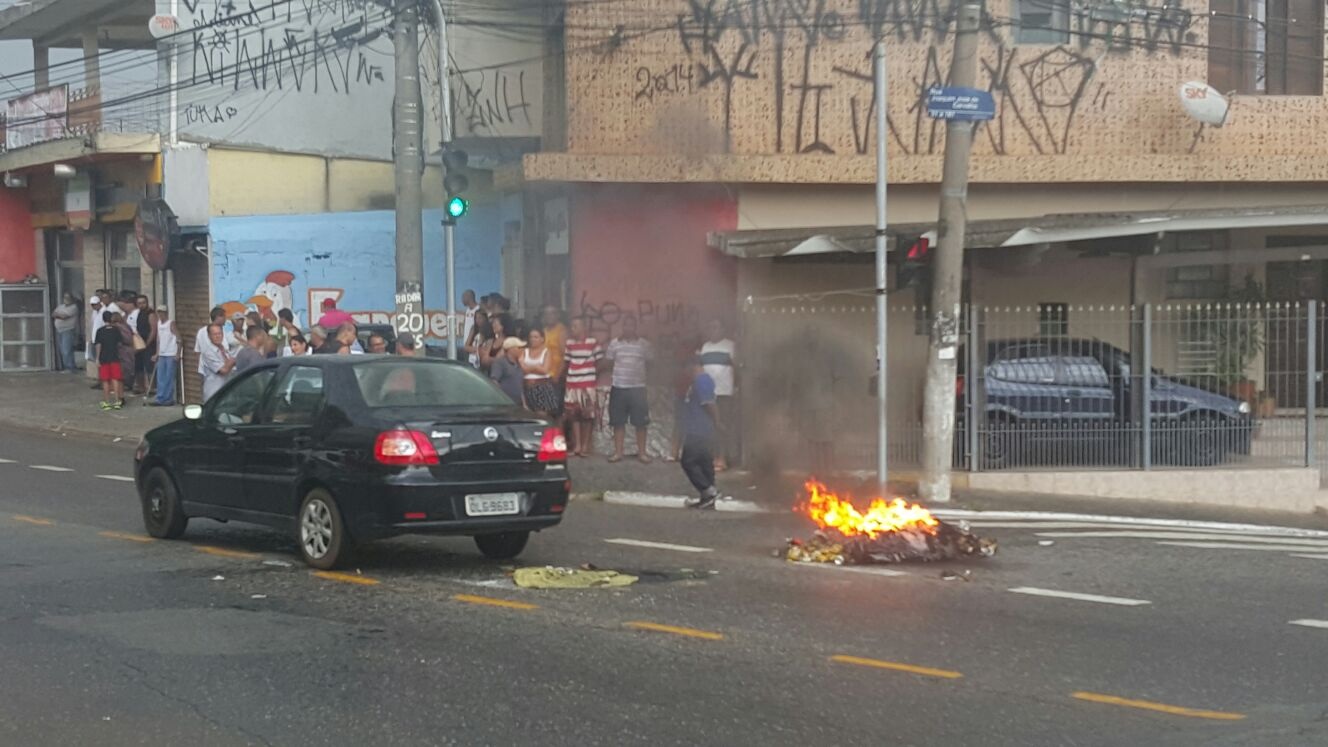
703,502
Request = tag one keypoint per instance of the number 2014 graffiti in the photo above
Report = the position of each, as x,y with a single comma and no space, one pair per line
674,79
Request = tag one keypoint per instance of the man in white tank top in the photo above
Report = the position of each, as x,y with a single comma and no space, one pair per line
167,358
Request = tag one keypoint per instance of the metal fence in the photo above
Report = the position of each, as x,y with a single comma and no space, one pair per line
1049,387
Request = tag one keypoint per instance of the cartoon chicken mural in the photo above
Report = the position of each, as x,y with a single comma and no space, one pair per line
274,294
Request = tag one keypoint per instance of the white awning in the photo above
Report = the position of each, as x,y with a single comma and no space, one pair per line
1005,232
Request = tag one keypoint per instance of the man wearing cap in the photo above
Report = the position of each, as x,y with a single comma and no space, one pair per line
95,323
333,317
506,370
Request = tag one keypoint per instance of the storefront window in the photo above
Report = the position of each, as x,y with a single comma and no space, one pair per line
124,260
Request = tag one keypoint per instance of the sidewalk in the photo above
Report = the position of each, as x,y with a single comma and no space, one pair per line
65,404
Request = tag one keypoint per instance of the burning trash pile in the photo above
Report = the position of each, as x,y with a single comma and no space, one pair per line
887,532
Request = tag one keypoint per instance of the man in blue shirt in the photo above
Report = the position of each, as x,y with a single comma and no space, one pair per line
700,424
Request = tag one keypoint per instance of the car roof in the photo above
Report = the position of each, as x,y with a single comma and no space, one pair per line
331,361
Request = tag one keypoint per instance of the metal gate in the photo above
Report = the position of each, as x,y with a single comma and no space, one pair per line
25,328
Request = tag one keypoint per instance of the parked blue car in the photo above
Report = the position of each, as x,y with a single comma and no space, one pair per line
1064,401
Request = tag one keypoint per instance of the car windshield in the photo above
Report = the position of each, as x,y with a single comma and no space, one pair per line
398,383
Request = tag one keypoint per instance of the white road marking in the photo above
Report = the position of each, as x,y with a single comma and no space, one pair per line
1044,525
873,571
1239,546
1311,623
956,513
1124,602
1164,535
1311,557
7,461
50,468
117,478
658,545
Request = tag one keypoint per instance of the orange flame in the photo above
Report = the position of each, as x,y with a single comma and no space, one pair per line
829,511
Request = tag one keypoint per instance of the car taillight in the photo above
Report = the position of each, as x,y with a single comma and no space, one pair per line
553,447
404,449
959,386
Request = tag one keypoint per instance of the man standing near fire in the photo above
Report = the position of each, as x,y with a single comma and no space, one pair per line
700,425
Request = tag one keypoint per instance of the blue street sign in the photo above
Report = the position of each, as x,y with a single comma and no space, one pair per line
962,104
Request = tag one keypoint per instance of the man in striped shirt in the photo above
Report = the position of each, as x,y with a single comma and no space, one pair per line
583,355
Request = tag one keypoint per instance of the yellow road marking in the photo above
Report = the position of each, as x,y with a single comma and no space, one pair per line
689,632
33,520
1149,705
897,666
490,601
222,552
126,536
347,578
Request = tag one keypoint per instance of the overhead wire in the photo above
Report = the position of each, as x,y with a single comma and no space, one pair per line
614,35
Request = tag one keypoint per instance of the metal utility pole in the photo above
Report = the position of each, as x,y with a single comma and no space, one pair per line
882,130
445,127
938,407
407,153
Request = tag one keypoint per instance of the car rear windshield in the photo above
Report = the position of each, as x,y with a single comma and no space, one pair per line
389,383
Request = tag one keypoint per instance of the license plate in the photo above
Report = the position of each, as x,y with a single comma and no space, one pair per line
493,504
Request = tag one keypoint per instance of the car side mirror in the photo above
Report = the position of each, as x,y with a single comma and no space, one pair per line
193,412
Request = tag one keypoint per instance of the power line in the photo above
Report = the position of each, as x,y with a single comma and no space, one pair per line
234,71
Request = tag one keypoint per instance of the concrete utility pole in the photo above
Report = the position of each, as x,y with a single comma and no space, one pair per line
445,128
938,407
407,153
882,135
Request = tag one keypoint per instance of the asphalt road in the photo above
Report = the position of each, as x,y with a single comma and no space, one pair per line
223,638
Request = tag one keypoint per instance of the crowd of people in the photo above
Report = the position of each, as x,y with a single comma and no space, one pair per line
135,346
227,347
551,366
560,370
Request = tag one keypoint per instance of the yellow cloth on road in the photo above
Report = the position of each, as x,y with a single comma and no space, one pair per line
569,578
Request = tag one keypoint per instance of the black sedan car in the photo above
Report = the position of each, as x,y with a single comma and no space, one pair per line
339,450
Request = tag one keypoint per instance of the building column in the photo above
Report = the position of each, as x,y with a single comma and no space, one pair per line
41,66
91,62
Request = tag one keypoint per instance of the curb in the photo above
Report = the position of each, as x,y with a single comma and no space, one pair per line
63,432
1125,521
654,500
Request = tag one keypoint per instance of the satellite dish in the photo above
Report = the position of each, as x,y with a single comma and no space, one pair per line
1204,103
162,26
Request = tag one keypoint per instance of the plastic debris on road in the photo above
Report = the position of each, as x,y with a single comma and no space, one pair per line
1046,543
277,563
550,577
218,578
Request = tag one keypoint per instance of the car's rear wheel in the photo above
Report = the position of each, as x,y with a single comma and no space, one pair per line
324,543
502,546
163,515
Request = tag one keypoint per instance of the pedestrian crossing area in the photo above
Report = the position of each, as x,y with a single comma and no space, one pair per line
1200,536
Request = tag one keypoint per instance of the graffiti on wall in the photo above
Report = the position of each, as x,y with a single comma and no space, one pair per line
277,292
793,52
669,324
264,72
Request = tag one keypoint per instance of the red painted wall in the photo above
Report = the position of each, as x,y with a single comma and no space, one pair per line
641,250
18,259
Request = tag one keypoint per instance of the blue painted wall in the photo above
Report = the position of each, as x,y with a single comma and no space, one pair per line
270,262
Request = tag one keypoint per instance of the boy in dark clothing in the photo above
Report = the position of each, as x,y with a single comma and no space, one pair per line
107,343
700,424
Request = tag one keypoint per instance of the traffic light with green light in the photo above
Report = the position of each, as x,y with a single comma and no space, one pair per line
455,182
